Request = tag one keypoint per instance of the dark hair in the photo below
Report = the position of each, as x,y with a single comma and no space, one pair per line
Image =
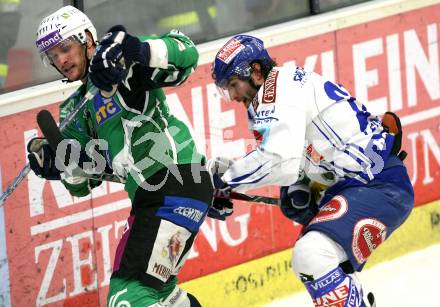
266,66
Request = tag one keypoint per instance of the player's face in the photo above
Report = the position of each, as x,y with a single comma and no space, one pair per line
69,57
241,91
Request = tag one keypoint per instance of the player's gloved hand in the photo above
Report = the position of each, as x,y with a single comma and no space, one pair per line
106,69
221,206
42,159
391,123
116,49
297,203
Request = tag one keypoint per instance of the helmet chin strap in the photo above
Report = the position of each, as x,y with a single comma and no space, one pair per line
86,72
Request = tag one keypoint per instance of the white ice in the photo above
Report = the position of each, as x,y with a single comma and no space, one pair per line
412,280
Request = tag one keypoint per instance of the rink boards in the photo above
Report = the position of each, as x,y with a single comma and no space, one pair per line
58,250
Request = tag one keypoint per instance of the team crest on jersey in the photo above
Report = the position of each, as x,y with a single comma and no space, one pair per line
368,234
300,74
105,108
270,87
230,50
332,210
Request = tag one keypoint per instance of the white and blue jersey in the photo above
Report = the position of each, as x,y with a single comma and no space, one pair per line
303,122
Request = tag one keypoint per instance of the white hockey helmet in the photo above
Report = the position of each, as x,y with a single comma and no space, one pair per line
66,23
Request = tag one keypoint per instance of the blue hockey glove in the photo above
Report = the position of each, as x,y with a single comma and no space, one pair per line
221,206
106,69
42,159
297,203
116,47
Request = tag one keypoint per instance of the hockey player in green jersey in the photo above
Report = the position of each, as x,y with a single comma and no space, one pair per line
146,147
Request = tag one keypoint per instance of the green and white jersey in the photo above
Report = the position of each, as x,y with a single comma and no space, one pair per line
142,136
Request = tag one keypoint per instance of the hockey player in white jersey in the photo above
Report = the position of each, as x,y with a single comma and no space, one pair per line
337,165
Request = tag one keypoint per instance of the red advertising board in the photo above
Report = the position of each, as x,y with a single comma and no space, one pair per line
60,249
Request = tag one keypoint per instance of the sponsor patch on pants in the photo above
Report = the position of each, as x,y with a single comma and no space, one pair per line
167,250
368,234
332,210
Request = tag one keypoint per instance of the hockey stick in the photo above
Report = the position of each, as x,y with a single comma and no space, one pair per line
54,137
256,199
26,169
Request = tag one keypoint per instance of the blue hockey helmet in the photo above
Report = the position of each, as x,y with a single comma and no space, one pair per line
235,57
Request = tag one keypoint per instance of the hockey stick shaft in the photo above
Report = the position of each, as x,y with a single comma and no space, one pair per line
249,198
26,169
256,199
110,177
100,177
14,184
54,137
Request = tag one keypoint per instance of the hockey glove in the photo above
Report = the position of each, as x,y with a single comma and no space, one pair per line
42,159
297,203
105,68
221,206
116,47
391,123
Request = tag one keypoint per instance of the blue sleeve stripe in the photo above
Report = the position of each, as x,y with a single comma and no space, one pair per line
346,151
251,182
248,153
354,152
334,132
324,135
358,175
360,159
243,177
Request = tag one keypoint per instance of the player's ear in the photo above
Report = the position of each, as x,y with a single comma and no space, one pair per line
89,39
90,45
257,74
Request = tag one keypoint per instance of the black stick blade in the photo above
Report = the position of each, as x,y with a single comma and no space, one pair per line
49,128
